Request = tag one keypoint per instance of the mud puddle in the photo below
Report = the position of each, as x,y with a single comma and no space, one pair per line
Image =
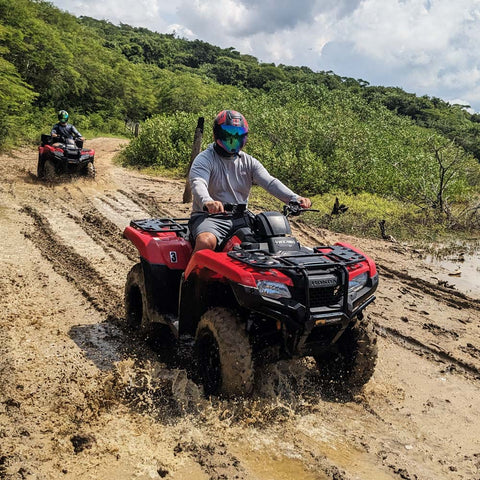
461,266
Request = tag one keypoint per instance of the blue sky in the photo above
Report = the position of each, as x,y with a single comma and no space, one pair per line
427,47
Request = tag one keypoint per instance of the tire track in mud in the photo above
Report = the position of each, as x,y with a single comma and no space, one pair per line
447,296
146,202
72,266
431,353
103,231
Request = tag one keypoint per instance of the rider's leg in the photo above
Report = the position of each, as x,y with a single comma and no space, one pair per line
205,240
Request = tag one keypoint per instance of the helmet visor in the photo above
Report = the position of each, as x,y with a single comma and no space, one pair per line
232,138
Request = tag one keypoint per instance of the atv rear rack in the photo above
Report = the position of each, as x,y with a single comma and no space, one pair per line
157,225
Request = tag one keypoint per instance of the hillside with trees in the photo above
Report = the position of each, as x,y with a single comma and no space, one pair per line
413,159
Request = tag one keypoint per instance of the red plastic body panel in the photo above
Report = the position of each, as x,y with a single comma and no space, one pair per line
366,266
231,243
218,265
163,248
50,148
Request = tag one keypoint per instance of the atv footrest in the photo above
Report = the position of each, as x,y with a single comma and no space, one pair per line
161,225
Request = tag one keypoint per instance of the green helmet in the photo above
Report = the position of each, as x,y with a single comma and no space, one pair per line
62,116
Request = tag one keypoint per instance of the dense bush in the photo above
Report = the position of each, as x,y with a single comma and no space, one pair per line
165,140
318,141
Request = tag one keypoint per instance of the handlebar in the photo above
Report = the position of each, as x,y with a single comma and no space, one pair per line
230,209
293,209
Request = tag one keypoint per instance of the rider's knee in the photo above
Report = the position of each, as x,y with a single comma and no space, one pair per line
205,240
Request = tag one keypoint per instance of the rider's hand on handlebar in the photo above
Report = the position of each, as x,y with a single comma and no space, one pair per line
305,202
213,207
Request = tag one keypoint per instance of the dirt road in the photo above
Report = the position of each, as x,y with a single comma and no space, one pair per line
81,398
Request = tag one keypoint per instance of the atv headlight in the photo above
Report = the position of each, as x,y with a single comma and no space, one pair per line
358,282
273,289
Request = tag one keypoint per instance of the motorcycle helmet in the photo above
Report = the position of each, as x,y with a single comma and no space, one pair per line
62,116
230,131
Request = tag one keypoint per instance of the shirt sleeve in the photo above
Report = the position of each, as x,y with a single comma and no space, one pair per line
75,131
271,184
199,177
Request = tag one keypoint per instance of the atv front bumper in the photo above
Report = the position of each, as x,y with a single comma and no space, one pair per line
307,329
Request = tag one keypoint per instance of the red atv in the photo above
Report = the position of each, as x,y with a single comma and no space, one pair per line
260,297
59,155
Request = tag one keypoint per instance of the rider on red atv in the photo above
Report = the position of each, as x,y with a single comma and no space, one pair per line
250,293
62,152
63,129
224,174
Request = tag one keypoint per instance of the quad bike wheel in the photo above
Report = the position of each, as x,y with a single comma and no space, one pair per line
137,317
135,298
49,171
223,354
40,167
345,372
90,170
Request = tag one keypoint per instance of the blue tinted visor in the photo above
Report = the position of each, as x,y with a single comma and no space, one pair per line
232,138
233,130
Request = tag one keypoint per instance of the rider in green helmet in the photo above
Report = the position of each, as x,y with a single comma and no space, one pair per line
65,129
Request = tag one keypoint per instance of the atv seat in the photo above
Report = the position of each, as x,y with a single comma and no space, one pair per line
45,139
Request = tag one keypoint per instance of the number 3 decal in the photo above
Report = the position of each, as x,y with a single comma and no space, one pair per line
173,257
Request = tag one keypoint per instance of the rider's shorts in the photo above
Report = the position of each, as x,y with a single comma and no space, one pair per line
219,226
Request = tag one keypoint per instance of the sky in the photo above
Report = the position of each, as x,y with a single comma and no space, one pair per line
426,47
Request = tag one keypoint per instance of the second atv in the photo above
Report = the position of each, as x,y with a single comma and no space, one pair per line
260,297
59,155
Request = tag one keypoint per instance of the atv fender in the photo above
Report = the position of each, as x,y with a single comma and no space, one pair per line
219,266
164,248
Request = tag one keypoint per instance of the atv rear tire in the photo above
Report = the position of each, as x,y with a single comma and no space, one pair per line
49,172
223,354
135,298
345,372
90,170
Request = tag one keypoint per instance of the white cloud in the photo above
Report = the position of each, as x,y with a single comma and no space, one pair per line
155,15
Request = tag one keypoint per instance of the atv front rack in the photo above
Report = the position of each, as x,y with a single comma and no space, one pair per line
324,256
156,225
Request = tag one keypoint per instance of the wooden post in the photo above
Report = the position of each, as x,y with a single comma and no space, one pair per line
137,125
197,145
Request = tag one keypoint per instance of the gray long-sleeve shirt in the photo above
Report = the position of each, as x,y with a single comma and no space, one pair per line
229,180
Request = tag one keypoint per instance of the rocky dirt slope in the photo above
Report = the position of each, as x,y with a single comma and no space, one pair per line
81,398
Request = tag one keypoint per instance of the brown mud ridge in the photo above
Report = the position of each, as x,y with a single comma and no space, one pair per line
82,398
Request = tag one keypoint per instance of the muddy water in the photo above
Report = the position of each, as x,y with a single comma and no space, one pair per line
461,269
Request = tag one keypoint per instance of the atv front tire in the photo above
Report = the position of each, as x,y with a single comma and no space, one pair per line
223,354
49,172
345,372
135,298
40,167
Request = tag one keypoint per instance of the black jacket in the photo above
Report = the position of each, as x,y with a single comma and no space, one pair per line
66,131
